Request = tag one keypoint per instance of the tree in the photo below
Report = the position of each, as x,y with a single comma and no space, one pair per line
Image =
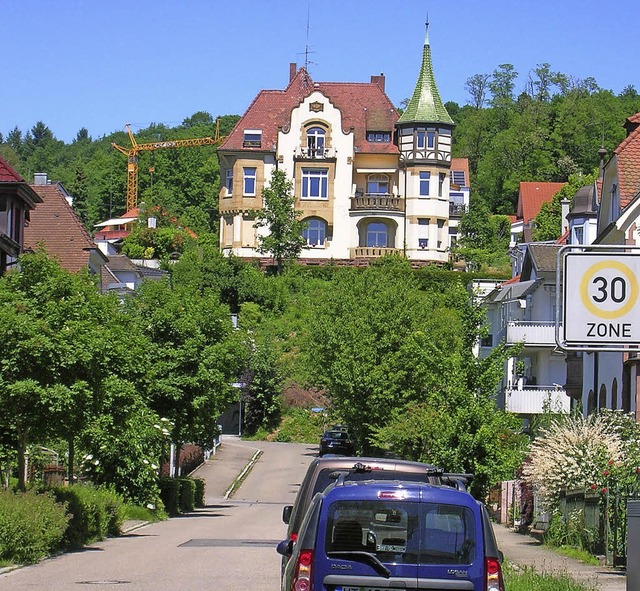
477,86
284,240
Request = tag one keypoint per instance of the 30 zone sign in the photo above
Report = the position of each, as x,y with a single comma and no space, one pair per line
601,298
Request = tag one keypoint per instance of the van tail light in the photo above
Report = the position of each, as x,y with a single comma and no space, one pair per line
493,575
294,536
302,577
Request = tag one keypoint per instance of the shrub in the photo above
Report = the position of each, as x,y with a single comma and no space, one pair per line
32,526
94,513
187,494
170,495
199,491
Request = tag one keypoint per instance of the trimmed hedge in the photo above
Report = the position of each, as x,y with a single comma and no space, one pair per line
181,495
187,494
170,495
32,526
94,513
199,494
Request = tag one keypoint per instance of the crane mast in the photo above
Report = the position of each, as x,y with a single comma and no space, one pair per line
133,152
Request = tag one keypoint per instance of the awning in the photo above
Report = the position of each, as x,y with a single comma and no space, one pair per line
115,222
377,170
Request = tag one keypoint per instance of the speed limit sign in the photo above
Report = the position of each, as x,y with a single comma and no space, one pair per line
600,304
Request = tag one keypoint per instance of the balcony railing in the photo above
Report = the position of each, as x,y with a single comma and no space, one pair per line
370,252
305,153
535,400
531,333
378,201
457,208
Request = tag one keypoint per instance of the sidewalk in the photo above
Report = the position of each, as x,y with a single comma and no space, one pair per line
527,551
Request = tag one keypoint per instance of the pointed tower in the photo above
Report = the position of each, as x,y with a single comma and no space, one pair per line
423,135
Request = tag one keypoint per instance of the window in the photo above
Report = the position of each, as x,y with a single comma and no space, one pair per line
315,183
431,139
315,142
379,136
228,183
315,232
378,184
252,138
423,233
578,235
425,175
377,235
457,178
249,181
420,136
441,177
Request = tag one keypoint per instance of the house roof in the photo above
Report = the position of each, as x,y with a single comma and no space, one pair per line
628,154
425,104
541,257
8,174
531,197
55,225
12,182
463,165
364,106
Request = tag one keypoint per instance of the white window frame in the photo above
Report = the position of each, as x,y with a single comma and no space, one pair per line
228,182
249,176
425,181
308,188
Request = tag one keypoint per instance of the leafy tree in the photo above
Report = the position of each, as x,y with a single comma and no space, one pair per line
284,240
477,86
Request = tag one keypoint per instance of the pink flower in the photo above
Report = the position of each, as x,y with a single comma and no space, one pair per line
638,470
604,490
606,472
610,462
593,486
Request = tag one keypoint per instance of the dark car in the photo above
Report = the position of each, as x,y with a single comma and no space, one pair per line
336,442
372,535
323,472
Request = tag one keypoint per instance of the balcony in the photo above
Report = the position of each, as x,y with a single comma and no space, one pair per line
534,400
305,153
532,333
376,201
371,252
457,209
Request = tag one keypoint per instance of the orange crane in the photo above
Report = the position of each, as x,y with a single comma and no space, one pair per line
135,149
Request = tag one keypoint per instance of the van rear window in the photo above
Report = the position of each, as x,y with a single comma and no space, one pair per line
328,476
403,532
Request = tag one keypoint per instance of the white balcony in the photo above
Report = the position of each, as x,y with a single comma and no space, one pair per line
535,400
532,333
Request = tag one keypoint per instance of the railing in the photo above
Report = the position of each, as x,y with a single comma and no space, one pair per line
380,201
457,208
368,252
305,153
531,333
535,400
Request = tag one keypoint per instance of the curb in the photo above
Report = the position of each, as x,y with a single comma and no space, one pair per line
238,480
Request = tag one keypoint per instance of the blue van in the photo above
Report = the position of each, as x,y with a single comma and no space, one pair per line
392,536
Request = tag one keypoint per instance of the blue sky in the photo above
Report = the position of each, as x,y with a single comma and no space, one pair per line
101,64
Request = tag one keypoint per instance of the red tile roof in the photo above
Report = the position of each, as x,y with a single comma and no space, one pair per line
462,164
532,196
55,225
364,106
8,174
628,153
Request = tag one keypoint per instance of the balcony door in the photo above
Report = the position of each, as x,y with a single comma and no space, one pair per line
315,142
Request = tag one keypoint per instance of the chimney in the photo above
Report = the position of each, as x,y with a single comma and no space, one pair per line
379,80
565,212
292,71
40,178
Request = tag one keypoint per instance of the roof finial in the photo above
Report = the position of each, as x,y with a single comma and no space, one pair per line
426,31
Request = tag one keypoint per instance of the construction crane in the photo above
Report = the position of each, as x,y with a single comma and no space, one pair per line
135,149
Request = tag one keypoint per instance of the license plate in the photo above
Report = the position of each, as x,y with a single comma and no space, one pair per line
346,588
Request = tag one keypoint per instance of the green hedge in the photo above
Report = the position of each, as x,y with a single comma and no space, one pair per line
170,495
199,494
94,512
32,526
187,494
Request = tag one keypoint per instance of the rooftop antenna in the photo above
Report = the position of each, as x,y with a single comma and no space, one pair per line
307,51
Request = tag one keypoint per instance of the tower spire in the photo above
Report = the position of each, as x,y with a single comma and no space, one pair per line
425,104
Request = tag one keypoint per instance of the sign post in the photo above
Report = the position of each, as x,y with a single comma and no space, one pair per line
600,299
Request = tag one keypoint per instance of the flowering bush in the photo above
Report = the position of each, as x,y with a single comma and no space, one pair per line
576,452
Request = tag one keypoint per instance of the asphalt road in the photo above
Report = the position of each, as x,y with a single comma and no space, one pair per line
228,545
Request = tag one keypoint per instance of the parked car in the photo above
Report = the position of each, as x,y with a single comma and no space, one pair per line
323,472
371,535
336,441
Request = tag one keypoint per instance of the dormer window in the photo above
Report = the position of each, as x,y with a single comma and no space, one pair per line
252,138
379,136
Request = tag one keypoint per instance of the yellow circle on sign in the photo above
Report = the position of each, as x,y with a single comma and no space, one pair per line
584,289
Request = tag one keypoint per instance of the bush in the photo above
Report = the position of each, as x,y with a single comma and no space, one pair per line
32,526
187,494
199,492
94,513
170,495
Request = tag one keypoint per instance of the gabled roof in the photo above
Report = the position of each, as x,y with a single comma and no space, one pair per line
425,105
628,154
364,106
540,258
54,224
532,196
8,174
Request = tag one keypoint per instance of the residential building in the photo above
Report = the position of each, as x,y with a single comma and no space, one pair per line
55,226
531,197
612,379
17,201
366,180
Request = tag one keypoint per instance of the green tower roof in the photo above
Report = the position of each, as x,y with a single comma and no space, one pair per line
426,105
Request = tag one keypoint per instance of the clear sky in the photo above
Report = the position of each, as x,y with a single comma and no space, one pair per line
102,63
